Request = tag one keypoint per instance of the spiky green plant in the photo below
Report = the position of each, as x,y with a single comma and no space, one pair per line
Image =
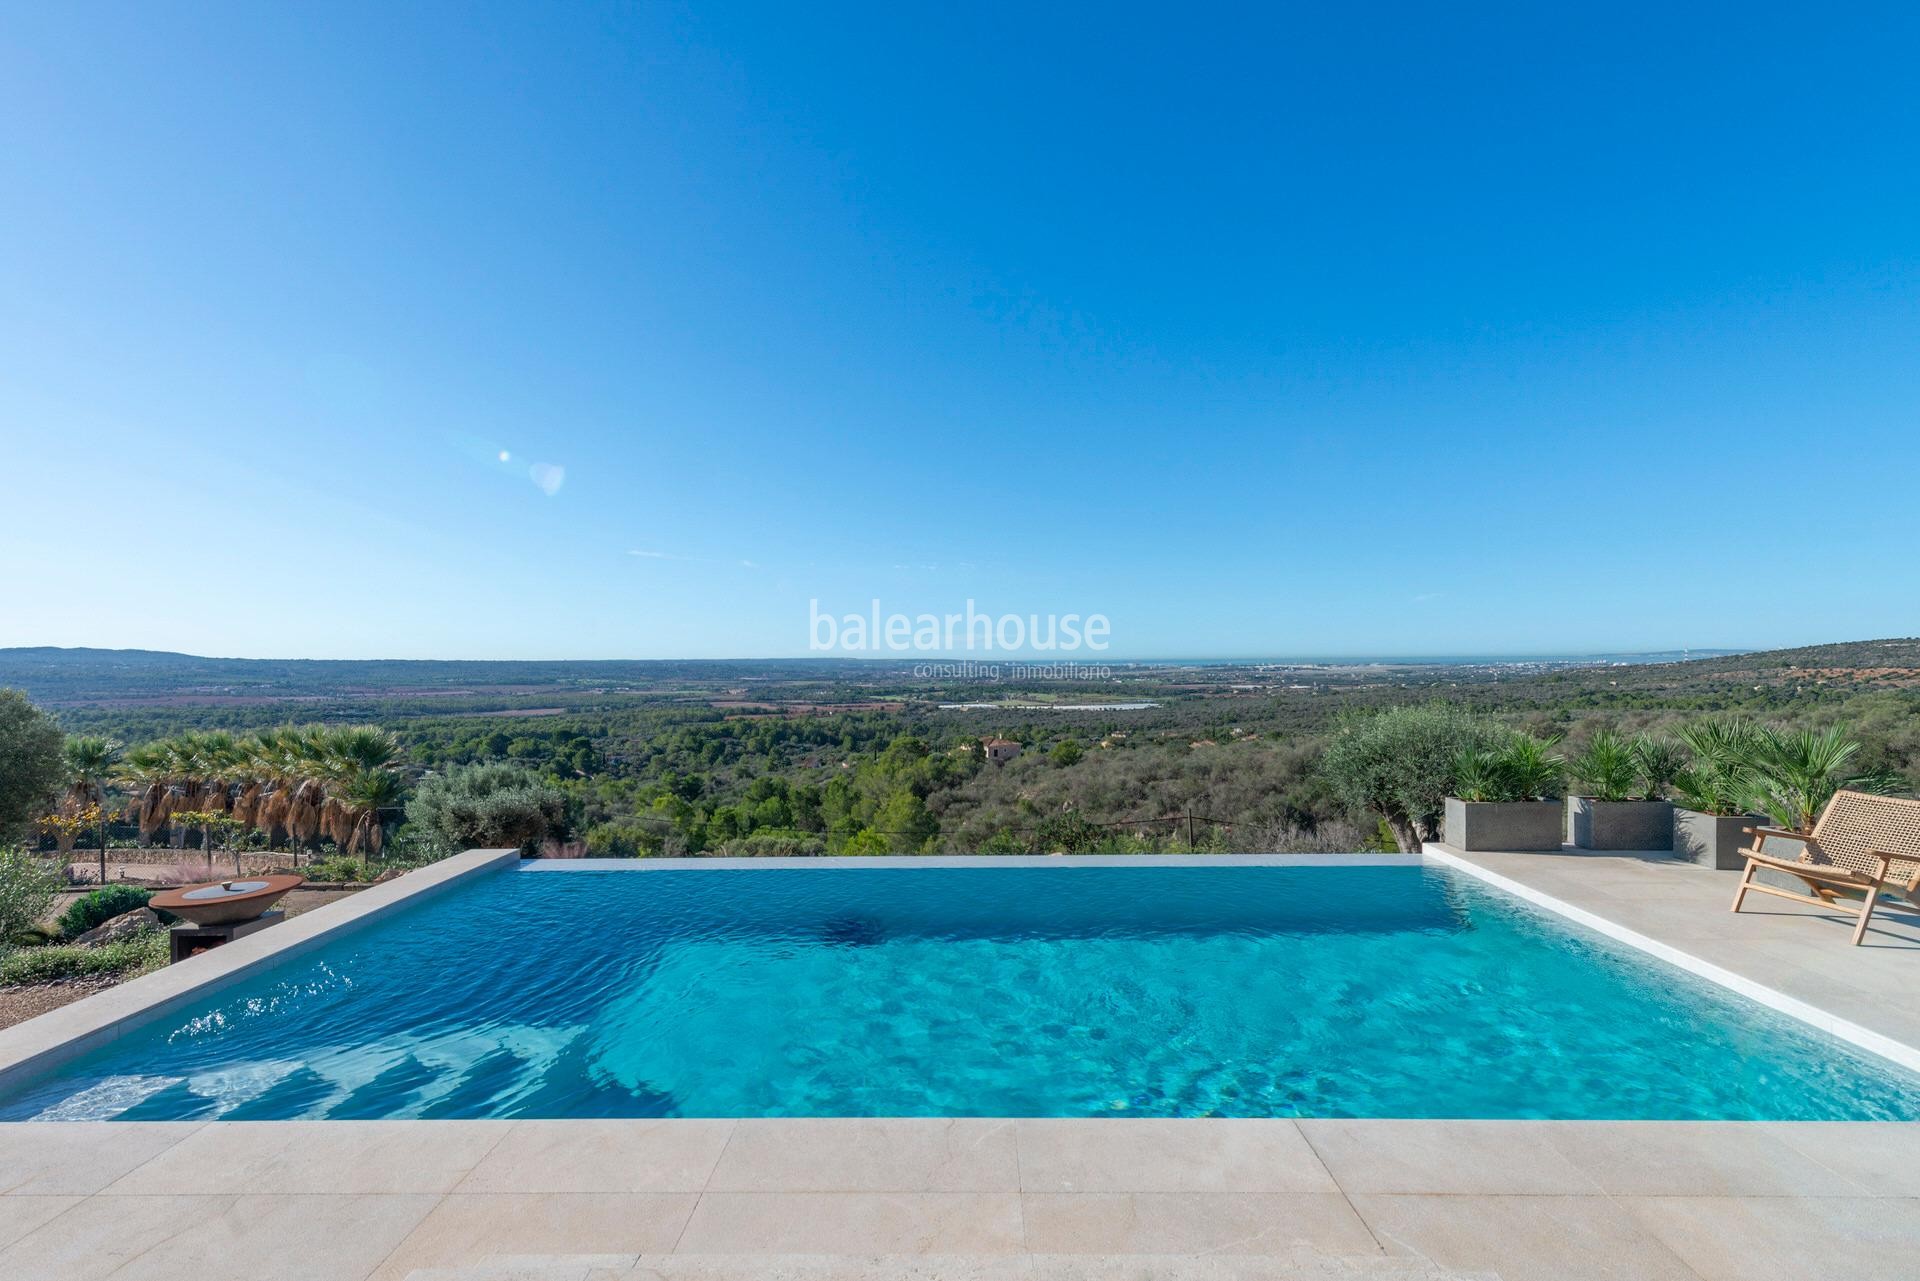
1520,768
1719,779
1796,772
1534,770
1606,770
1659,759
1477,775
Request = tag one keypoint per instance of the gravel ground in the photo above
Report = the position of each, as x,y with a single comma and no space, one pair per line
18,1004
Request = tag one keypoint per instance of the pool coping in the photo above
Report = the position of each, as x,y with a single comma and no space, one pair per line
48,1040
843,861
1855,1034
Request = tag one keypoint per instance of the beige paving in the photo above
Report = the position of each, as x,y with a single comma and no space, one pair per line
1524,1238
855,1223
1151,1155
347,1201
608,1226
1178,1223
869,1155
1787,1239
595,1156
284,1157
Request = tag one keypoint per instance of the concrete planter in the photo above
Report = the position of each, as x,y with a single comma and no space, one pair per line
1620,825
1713,840
1503,825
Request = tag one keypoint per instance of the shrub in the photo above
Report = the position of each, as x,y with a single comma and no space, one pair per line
336,868
1607,769
1659,760
1719,779
1796,772
27,887
1400,764
771,844
101,906
1518,768
32,762
624,840
143,952
489,807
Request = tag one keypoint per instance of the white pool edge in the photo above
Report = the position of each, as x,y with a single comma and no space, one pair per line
48,1040
1846,1030
923,861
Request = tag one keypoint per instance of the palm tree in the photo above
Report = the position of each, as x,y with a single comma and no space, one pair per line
367,803
1796,772
148,774
91,762
306,781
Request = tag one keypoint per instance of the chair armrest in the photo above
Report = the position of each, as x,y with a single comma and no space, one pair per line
1762,833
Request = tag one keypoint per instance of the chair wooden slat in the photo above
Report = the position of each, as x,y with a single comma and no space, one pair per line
1862,844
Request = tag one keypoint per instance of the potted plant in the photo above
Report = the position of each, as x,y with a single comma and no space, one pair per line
1796,772
1714,791
1507,797
1620,807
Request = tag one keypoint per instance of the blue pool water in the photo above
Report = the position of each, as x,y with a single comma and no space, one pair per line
1004,991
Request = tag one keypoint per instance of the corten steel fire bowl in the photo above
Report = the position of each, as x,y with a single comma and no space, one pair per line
226,902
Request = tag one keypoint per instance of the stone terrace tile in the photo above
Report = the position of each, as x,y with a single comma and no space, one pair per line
916,1155
466,1229
1452,1157
1694,1158
317,1157
1880,1158
1729,1239
79,1157
855,1223
20,1215
193,1238
1168,1156
1524,1238
1193,1223
602,1156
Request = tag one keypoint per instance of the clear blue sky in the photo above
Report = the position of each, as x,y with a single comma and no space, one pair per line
1266,330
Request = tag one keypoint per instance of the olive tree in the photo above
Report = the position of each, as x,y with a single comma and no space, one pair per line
32,766
1400,764
27,888
488,806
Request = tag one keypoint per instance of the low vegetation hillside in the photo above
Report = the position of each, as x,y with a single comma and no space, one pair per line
810,756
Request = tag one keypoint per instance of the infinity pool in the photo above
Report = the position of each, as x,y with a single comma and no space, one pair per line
1064,990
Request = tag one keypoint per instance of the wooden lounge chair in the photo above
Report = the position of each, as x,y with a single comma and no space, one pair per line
1862,845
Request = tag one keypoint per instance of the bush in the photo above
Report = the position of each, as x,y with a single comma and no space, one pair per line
337,868
1607,768
489,807
1720,777
76,961
1400,764
624,840
27,887
771,844
1518,768
32,762
101,906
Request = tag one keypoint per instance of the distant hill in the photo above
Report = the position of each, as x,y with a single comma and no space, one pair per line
131,677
